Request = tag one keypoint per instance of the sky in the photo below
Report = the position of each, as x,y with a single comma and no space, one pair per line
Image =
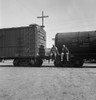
64,15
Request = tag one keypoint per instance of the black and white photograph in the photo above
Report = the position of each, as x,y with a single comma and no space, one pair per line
47,49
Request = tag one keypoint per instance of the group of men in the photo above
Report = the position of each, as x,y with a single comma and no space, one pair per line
64,53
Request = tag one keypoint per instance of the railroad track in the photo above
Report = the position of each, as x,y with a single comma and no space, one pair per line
46,64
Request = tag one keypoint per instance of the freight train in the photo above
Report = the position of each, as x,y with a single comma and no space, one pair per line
25,45
81,45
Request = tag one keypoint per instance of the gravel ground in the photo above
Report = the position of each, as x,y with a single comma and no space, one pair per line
29,83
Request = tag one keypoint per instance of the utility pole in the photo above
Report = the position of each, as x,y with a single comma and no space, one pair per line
42,18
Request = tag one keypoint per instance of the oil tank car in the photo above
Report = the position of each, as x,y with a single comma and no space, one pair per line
81,45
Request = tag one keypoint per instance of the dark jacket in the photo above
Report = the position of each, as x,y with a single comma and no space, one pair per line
65,50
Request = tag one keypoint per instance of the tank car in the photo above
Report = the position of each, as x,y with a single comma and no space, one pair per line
81,45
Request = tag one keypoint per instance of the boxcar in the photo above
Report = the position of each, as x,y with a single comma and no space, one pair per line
25,45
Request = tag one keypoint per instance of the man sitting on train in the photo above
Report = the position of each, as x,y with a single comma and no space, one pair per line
53,52
64,54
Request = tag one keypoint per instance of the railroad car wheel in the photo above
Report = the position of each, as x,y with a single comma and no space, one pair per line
27,62
38,62
23,62
76,62
31,62
16,62
57,61
0,60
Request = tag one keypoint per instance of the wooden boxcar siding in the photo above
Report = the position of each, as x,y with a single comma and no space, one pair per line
41,38
27,42
17,42
7,43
